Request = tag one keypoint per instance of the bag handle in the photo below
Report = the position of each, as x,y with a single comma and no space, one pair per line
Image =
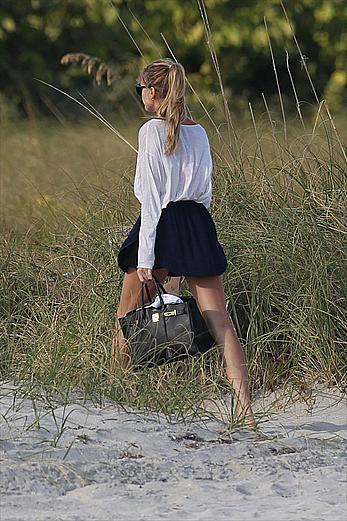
159,287
144,285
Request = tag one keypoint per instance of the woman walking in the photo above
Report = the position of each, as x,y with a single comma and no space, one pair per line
174,234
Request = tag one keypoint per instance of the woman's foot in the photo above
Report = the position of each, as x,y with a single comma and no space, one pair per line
250,422
246,416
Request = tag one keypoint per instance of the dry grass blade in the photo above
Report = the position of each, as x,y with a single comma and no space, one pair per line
294,90
96,114
213,53
277,80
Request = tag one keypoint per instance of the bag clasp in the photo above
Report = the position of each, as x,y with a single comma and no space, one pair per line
170,313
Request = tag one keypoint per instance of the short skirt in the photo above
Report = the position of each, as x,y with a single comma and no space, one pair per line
186,242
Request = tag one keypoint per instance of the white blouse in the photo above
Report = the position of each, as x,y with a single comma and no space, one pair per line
160,178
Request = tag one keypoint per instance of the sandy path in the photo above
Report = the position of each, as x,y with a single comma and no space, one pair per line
109,464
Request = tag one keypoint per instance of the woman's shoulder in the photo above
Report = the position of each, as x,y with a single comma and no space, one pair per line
152,122
155,129
150,128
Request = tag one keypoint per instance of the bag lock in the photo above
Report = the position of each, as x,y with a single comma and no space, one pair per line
155,316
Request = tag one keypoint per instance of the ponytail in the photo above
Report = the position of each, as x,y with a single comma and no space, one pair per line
168,77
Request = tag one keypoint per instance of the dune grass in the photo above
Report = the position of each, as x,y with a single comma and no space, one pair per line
279,208
279,204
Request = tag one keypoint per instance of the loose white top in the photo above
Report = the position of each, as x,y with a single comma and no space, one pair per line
160,178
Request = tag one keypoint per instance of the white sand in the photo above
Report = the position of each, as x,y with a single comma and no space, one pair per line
86,463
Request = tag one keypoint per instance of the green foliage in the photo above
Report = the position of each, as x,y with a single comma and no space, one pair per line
35,34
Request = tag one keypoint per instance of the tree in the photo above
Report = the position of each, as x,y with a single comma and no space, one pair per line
35,34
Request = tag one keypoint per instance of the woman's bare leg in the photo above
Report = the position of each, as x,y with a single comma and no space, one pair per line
173,286
210,297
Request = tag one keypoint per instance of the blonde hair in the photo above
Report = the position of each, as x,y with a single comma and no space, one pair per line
168,78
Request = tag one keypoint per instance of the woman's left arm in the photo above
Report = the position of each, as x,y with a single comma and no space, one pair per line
149,172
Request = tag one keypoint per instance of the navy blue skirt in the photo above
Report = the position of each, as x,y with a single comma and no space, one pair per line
186,242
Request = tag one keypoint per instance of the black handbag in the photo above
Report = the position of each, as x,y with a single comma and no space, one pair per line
167,334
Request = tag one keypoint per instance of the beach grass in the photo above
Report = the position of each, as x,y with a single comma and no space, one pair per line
279,204
279,208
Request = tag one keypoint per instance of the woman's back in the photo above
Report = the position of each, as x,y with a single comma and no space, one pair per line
182,175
